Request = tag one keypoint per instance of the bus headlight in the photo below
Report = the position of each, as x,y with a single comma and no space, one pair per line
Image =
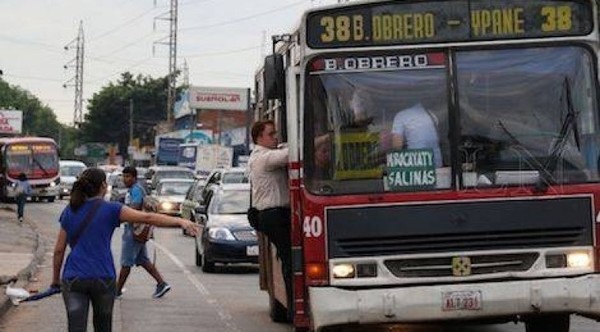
343,271
575,260
579,259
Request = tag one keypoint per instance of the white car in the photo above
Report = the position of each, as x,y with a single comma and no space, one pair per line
69,172
168,196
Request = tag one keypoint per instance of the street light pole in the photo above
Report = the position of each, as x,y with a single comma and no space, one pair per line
192,123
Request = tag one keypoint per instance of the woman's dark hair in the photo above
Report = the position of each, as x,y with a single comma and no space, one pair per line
87,185
22,177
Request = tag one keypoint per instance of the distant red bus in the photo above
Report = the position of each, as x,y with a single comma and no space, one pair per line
37,157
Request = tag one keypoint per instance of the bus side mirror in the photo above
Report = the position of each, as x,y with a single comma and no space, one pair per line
274,77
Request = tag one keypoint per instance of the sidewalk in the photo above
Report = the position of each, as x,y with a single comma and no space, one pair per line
20,251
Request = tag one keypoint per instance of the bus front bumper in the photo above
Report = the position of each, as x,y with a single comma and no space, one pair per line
45,192
336,306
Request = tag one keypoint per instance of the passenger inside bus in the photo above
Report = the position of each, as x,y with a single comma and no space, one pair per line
415,127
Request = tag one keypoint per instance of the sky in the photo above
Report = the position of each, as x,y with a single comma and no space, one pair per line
222,42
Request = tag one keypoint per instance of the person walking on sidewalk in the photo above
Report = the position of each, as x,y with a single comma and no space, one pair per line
132,251
23,190
87,226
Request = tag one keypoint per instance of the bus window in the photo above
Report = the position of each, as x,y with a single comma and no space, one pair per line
360,112
511,135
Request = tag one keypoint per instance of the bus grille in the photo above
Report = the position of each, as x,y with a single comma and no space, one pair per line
461,242
441,227
442,266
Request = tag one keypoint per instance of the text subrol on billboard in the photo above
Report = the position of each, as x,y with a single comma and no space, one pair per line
11,122
234,99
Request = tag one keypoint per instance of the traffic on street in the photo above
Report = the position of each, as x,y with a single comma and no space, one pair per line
300,165
227,300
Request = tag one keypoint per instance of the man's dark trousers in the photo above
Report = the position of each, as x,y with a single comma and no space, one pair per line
275,224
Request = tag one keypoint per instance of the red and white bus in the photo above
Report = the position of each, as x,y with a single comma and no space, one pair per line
37,157
496,222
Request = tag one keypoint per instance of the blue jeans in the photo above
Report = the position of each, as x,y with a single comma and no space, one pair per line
21,199
77,295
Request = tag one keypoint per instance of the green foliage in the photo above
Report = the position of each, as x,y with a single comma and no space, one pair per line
107,115
38,119
107,119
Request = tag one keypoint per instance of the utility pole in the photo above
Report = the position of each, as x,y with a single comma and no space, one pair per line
171,16
131,122
186,74
77,80
129,148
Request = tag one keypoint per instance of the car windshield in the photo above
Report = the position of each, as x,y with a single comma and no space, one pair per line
234,177
524,116
173,188
175,175
230,202
73,171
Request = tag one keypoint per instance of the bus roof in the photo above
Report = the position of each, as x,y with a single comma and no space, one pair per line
27,139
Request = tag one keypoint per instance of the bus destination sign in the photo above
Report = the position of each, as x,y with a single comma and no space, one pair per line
400,22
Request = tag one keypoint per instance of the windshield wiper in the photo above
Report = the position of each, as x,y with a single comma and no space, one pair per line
569,125
37,162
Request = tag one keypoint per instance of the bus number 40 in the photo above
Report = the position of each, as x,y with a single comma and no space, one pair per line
313,226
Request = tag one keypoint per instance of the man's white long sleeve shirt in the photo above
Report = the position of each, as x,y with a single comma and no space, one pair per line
269,177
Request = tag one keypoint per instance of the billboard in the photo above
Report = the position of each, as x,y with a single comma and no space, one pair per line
182,105
213,98
168,150
11,122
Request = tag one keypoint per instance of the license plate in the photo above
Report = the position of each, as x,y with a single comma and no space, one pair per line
252,250
465,300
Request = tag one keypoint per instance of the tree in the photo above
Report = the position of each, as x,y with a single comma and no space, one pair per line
107,119
38,119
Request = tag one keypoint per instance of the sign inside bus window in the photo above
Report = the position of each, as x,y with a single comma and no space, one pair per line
396,23
356,156
409,169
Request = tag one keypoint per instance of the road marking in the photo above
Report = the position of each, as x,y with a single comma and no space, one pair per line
222,312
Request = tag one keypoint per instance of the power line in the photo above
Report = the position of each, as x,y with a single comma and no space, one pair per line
122,70
122,25
33,78
209,54
242,19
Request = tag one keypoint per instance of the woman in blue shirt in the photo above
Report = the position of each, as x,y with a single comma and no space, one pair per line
89,272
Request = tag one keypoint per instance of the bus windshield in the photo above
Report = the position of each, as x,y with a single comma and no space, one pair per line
36,160
384,122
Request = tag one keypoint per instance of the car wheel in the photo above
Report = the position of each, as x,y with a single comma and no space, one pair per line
51,199
207,266
198,256
554,323
60,197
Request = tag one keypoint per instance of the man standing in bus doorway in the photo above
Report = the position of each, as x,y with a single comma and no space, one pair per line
132,251
23,190
271,197
416,128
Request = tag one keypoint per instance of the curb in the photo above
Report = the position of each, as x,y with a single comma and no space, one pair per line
25,274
